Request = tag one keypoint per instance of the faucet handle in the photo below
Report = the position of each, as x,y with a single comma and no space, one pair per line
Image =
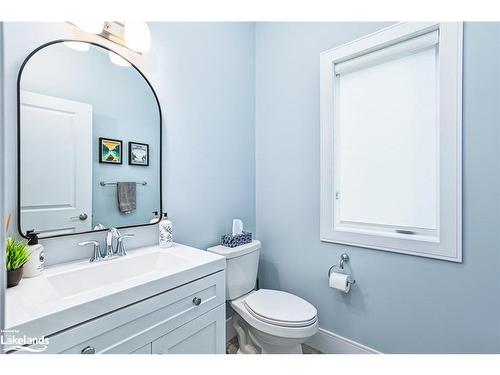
95,243
97,250
120,251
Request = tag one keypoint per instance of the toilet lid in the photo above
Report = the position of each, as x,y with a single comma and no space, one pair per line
280,308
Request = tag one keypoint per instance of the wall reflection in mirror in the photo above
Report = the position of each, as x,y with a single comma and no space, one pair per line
89,142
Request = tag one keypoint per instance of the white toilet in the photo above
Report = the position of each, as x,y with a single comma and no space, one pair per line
267,321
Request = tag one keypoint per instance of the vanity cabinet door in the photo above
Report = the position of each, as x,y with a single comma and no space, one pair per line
130,328
203,335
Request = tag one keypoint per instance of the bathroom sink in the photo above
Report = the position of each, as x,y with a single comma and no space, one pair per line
91,276
65,295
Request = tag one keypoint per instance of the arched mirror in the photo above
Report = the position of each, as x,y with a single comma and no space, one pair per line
89,141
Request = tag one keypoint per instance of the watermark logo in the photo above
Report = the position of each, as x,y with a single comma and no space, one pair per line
10,340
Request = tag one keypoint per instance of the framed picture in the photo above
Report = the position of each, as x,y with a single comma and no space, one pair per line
138,154
110,151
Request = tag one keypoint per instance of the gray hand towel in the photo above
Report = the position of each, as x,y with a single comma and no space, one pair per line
126,192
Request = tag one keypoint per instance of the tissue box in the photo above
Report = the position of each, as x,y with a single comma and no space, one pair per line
229,240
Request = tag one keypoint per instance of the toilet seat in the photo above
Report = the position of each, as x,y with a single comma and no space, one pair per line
280,308
283,329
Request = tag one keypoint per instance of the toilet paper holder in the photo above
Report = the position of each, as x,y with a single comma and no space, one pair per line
340,267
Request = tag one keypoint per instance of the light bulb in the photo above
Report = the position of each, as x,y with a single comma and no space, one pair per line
78,46
93,27
117,59
137,36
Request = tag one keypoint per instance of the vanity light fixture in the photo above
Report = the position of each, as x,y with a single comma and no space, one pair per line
132,35
137,36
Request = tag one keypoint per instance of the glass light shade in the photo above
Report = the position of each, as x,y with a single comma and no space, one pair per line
137,36
78,46
94,27
117,59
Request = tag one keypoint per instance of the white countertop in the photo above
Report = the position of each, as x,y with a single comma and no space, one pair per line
69,294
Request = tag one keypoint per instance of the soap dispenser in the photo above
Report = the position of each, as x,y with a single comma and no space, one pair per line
35,264
166,232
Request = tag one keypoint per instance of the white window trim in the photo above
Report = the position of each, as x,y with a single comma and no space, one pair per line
449,244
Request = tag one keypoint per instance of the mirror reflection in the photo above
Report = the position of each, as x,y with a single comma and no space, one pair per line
89,138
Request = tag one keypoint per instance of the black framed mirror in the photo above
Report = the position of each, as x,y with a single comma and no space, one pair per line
89,141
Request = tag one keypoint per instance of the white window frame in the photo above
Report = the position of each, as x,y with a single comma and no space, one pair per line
446,243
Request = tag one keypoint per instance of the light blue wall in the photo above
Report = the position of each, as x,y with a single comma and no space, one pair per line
401,303
203,74
123,107
207,90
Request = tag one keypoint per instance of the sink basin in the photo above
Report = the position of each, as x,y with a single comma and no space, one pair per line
65,295
91,276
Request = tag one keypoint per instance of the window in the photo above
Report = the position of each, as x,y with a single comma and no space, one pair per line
391,141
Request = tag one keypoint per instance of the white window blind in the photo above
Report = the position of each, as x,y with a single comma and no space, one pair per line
389,53
388,134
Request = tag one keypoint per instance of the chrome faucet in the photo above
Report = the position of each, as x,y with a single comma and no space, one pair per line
112,234
110,250
97,256
120,249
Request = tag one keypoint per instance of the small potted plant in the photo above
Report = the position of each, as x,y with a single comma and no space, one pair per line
17,256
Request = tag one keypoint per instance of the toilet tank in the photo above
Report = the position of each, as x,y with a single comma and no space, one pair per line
242,263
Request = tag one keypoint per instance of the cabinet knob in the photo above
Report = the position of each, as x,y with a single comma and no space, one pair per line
196,301
88,350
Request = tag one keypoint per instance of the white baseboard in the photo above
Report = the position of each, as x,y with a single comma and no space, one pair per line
330,343
230,331
325,341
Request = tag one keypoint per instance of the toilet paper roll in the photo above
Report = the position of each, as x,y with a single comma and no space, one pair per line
340,281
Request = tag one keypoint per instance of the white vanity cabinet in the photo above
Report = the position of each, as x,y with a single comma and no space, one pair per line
151,301
189,319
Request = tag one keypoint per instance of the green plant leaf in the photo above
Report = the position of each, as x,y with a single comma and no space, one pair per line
17,253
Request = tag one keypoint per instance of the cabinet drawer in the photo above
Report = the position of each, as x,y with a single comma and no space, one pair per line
130,328
203,335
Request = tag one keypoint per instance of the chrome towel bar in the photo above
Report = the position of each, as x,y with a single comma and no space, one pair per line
103,183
